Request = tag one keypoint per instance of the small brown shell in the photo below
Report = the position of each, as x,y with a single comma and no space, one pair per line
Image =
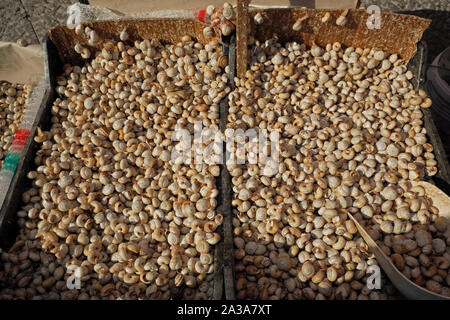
222,61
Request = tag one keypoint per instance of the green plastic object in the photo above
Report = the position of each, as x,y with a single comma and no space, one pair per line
11,161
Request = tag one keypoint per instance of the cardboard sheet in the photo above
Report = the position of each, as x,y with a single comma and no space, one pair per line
21,64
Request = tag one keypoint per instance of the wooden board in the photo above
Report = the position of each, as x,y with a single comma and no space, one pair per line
139,6
242,29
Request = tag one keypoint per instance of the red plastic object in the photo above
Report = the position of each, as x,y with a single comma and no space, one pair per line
24,132
21,136
201,15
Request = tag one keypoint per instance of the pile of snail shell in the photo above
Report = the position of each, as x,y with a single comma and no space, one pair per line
13,98
106,197
222,18
351,136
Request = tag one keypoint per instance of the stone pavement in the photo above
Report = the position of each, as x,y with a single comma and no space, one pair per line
30,19
408,5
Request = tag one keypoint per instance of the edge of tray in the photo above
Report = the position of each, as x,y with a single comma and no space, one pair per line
228,243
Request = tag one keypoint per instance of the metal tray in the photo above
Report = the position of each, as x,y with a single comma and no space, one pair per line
441,179
13,201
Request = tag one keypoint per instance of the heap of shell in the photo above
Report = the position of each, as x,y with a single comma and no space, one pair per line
351,137
106,199
13,98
